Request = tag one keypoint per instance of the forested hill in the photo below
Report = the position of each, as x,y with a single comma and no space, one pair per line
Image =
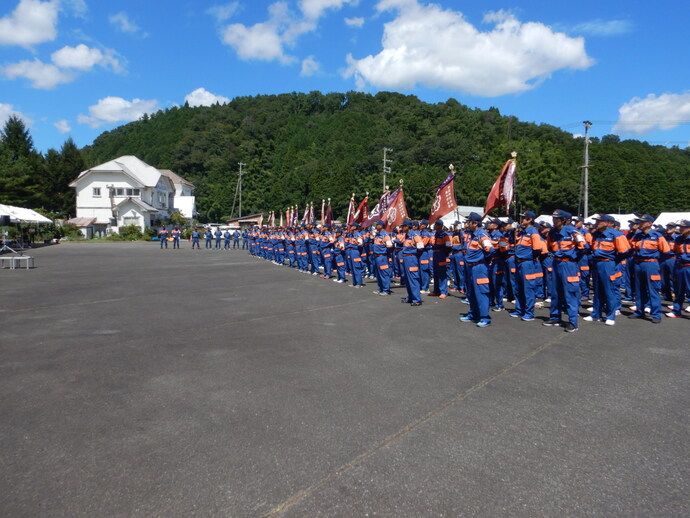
307,147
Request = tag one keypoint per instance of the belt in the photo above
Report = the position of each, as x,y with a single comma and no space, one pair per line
410,255
522,260
475,264
683,265
563,259
600,259
646,260
381,255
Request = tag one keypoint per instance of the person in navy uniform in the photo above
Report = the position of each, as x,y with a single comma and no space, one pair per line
566,244
681,248
163,236
236,240
245,239
441,245
648,245
478,251
218,235
412,248
382,248
209,238
226,240
175,233
196,235
529,248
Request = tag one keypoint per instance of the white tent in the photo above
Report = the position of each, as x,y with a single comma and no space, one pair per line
623,219
22,215
671,217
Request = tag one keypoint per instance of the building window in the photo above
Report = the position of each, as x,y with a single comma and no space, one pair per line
133,192
119,191
130,220
96,192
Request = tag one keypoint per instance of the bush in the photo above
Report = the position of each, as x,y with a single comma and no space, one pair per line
130,233
69,230
150,233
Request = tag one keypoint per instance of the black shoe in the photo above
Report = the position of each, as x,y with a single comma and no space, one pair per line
635,315
416,304
551,322
404,301
656,321
570,328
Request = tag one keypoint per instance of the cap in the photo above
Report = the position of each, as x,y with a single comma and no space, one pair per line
560,213
438,222
407,222
577,218
684,223
496,221
646,218
671,224
474,217
605,217
546,224
381,222
424,222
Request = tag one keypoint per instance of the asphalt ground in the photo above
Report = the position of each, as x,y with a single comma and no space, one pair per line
136,381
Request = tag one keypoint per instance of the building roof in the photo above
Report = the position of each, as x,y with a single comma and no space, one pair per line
137,201
130,165
82,222
176,178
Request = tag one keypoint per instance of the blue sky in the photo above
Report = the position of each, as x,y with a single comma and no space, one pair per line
80,67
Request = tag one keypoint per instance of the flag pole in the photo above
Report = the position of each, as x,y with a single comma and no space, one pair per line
514,160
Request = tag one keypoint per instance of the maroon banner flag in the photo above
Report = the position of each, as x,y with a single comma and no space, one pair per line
362,212
328,218
397,211
502,192
444,203
379,211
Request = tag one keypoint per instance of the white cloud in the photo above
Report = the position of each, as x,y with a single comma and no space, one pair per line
428,45
267,40
202,97
314,9
111,110
63,126
77,7
309,67
82,57
223,12
31,22
122,22
600,27
7,111
639,116
45,76
354,22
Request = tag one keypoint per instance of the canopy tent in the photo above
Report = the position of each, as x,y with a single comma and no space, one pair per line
671,217
623,219
22,215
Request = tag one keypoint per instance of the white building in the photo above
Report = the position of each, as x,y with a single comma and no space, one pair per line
128,191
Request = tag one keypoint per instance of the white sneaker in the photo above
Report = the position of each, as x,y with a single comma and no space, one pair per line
618,312
588,318
590,309
610,322
539,304
647,310
633,308
547,300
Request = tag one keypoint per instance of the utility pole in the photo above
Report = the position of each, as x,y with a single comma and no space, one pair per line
241,164
586,169
386,167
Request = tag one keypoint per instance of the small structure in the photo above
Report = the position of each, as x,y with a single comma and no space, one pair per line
128,191
246,221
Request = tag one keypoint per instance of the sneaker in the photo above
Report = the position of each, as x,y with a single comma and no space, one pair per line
589,310
377,292
647,310
464,301
315,273
570,328
515,314
672,315
618,312
432,294
588,318
466,318
527,319
670,306
405,301
539,304
425,292
415,304
484,323
336,280
385,293
610,322
551,322
497,308
656,321
633,308
547,300
687,309
442,296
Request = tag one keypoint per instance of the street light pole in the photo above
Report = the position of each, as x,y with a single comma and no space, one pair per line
241,164
586,169
386,167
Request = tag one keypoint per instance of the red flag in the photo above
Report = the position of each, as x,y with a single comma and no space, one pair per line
444,202
397,211
323,215
328,219
310,219
362,212
351,209
502,192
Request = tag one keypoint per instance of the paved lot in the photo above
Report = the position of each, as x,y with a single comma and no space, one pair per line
180,383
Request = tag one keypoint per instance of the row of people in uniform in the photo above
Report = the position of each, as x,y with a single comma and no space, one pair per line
489,265
208,234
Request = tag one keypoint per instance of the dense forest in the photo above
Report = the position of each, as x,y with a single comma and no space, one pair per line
305,147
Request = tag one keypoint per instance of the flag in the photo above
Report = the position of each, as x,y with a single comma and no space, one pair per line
445,199
295,216
328,219
281,218
502,192
362,212
379,211
323,215
310,219
305,216
351,209
397,211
